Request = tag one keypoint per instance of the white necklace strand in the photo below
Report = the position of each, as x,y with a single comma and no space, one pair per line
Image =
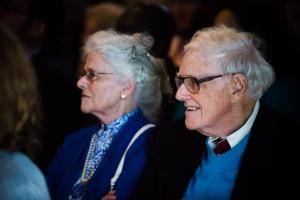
84,177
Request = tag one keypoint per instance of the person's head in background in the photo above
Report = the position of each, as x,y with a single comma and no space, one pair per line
19,102
222,75
120,76
154,19
14,14
191,15
26,19
100,17
227,17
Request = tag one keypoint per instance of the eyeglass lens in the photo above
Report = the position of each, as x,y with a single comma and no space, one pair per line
189,82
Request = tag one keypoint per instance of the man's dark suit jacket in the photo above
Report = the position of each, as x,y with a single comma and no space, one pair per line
267,170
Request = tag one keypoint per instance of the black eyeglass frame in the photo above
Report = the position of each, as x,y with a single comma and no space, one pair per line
179,80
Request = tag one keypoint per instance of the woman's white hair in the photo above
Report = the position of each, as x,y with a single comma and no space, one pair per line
130,59
232,51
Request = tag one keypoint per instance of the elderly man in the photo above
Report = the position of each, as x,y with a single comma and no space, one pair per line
228,145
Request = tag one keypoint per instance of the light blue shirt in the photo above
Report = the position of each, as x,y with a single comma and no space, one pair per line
20,178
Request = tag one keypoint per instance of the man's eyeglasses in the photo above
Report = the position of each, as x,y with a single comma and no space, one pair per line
91,75
192,84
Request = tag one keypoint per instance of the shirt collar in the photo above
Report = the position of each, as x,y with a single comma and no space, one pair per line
117,124
234,138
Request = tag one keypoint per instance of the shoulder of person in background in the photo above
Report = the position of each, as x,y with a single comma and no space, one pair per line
20,178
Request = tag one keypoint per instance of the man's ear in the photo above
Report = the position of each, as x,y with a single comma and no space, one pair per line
239,87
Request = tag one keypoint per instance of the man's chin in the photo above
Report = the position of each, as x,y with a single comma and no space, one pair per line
189,125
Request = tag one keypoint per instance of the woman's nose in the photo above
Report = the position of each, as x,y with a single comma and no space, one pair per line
82,83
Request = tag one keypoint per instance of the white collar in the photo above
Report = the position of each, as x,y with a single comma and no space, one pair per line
234,138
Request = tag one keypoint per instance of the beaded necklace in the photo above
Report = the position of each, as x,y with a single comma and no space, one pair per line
84,176
99,143
107,133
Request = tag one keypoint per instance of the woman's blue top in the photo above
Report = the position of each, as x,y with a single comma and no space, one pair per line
68,164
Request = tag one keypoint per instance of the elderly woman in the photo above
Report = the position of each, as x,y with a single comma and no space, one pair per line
123,87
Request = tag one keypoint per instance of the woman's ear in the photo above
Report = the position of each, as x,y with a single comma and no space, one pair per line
128,89
239,87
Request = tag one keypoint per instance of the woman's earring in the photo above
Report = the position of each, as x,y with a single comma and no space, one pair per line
123,96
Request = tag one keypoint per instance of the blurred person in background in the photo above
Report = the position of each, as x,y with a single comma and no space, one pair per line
20,119
99,17
190,15
41,35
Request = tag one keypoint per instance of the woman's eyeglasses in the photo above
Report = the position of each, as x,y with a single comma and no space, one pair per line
91,75
192,84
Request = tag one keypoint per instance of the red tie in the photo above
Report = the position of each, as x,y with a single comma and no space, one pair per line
222,146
